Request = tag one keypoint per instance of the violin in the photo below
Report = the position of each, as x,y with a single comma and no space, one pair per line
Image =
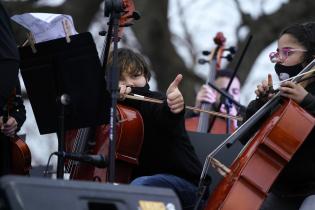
20,154
204,121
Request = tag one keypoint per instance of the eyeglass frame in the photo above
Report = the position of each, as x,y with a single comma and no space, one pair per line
285,55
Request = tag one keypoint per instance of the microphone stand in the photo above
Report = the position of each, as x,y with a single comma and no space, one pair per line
228,105
228,101
225,94
233,76
112,9
61,136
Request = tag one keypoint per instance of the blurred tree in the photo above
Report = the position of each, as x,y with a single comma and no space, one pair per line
154,35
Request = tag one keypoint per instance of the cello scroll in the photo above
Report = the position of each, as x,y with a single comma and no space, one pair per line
203,122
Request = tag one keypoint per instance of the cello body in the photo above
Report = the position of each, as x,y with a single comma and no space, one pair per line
254,171
20,156
16,157
204,121
128,148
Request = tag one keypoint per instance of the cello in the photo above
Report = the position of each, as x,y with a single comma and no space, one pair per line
204,121
20,155
128,147
245,186
96,140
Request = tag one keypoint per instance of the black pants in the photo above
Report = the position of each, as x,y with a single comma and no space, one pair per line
275,202
9,70
5,155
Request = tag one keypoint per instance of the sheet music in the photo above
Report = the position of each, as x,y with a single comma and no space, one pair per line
45,26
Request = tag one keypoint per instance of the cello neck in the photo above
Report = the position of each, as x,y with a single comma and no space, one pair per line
205,118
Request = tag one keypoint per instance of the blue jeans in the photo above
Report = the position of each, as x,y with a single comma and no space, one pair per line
308,203
186,191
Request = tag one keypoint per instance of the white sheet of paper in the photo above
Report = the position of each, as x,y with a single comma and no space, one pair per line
45,26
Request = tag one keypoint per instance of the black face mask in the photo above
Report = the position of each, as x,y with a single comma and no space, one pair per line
141,90
285,72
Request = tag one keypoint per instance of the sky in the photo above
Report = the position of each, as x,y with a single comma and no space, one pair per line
216,16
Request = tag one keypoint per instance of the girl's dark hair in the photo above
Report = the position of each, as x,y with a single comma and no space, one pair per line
305,35
131,62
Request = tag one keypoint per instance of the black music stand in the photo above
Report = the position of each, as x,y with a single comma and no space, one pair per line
66,86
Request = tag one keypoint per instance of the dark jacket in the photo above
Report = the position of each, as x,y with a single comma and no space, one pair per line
166,146
9,57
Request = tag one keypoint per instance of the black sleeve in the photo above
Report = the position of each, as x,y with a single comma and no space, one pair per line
252,108
18,110
167,119
159,113
9,57
190,114
249,111
308,103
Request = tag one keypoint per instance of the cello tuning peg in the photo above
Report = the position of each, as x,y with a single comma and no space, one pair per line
102,33
228,57
135,15
206,52
126,24
202,61
232,50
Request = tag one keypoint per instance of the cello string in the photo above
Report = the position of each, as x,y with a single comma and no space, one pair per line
79,137
77,146
74,146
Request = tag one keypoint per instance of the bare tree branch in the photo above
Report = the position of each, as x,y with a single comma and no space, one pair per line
154,36
188,40
266,29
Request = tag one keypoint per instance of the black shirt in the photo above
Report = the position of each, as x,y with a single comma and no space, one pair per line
166,145
9,57
8,49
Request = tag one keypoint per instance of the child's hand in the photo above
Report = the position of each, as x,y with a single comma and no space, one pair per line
263,89
292,90
9,128
123,90
175,98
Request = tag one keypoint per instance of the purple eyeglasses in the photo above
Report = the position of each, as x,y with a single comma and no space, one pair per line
282,54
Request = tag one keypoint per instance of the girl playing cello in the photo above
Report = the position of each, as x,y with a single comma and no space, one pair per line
296,48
